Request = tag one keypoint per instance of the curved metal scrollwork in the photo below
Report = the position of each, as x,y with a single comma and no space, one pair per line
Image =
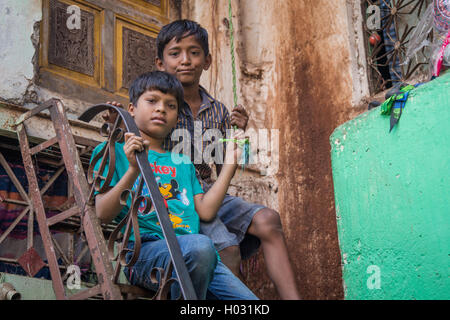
94,178
165,281
100,183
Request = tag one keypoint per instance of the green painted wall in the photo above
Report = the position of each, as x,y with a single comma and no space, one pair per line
392,193
33,288
30,288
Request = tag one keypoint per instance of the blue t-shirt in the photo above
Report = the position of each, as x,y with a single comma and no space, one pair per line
177,182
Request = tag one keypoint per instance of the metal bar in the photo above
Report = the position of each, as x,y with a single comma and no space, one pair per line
60,251
52,180
87,293
62,216
14,224
34,111
14,201
44,145
81,255
184,279
71,249
38,205
30,230
35,131
85,141
14,179
23,194
91,225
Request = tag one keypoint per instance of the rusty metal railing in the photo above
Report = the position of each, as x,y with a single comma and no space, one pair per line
100,183
92,231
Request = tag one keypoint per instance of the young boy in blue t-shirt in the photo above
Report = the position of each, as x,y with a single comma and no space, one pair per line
155,98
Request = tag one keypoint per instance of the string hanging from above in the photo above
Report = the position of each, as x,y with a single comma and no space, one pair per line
242,143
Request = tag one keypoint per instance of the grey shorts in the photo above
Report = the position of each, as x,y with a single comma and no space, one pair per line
230,226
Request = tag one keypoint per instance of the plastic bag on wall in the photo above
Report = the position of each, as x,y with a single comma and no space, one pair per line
434,20
440,54
441,23
419,37
447,56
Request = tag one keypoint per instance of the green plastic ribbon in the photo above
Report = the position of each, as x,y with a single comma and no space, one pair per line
386,106
245,145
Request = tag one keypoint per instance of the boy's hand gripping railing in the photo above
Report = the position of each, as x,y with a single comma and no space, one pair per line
95,179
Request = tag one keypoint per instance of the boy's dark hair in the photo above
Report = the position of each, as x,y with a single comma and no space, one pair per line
156,80
180,29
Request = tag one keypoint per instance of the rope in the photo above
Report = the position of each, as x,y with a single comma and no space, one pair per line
242,143
233,60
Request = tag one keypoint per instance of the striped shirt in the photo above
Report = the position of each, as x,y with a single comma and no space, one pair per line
212,115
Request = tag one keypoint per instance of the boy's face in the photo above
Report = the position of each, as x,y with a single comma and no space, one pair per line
184,59
156,113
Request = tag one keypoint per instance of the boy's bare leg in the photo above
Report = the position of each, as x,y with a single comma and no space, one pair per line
266,225
231,257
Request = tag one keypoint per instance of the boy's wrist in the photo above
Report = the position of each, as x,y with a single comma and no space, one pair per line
229,168
133,172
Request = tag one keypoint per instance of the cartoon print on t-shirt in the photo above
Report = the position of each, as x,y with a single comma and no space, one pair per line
177,221
170,192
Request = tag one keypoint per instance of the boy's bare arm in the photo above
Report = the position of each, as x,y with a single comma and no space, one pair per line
208,204
108,205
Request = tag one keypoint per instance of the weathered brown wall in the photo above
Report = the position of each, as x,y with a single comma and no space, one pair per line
296,73
314,90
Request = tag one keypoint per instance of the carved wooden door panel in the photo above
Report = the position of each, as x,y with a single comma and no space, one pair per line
91,50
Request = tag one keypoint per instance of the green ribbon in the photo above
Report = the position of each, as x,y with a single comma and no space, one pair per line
386,106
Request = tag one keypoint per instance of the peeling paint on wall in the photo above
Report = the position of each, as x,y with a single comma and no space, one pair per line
17,19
